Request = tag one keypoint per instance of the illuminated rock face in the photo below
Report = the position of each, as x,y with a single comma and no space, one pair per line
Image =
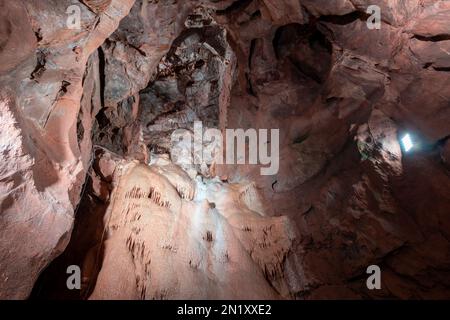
200,243
44,162
346,195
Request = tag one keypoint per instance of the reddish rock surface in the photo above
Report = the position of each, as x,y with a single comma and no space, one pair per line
43,164
348,194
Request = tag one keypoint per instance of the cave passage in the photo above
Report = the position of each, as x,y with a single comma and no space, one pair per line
224,150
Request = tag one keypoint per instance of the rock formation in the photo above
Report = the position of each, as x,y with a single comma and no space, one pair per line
43,163
87,171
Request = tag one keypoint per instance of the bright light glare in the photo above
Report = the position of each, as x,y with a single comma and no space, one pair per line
407,142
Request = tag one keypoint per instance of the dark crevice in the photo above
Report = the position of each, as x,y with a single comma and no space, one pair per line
101,67
38,34
141,52
438,38
255,15
305,48
64,86
102,119
276,41
250,89
235,7
301,138
80,129
252,50
305,70
40,66
345,19
442,69
441,142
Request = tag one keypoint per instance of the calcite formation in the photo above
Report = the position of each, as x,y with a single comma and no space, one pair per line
200,243
86,171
